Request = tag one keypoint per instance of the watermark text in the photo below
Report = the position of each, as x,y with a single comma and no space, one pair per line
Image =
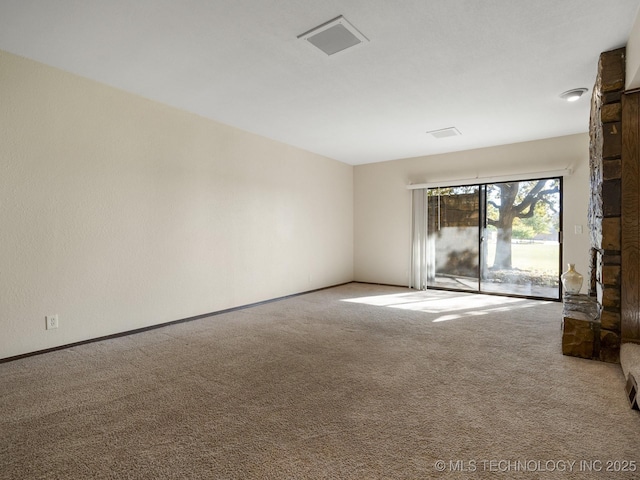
535,465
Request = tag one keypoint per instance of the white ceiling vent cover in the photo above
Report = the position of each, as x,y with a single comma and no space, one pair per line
334,36
445,132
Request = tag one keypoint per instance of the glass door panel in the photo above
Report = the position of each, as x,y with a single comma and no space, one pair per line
521,248
453,246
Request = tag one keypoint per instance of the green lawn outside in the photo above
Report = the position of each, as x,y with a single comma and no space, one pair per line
539,257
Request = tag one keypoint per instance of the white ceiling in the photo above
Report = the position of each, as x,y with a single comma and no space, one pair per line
494,69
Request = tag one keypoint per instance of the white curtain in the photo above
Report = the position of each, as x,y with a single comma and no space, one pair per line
418,278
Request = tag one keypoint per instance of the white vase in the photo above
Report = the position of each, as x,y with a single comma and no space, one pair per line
571,280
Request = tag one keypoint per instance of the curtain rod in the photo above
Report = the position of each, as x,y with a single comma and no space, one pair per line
504,178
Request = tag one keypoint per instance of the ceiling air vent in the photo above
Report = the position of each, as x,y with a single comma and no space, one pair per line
334,36
445,132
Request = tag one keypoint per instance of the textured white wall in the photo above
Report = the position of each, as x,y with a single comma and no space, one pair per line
382,204
118,213
633,57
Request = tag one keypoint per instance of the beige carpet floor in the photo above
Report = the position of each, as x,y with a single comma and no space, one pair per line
353,382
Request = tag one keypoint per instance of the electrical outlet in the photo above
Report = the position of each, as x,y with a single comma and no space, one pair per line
52,321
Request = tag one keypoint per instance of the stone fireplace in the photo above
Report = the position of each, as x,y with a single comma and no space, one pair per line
605,206
592,322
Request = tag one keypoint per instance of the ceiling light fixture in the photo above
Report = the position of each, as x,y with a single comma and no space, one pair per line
573,95
334,36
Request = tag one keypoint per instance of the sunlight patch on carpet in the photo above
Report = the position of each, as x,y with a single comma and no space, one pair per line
466,304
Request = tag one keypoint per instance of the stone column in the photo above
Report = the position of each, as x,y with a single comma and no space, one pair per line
605,205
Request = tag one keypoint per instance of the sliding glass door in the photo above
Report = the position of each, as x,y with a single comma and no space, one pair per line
521,238
453,250
496,238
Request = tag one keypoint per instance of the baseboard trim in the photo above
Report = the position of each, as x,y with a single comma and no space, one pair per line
164,324
381,284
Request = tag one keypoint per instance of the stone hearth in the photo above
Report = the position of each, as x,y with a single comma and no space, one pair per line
581,326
